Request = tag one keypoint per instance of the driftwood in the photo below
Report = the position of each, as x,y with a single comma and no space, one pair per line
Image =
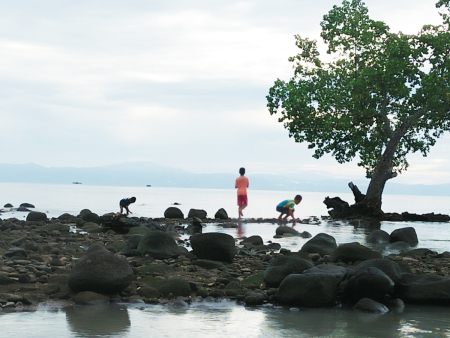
341,209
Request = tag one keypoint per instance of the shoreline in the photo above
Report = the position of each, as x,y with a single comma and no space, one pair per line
37,257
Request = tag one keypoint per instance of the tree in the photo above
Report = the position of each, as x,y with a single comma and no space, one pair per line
383,96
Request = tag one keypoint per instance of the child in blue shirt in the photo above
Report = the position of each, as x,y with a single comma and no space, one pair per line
125,202
287,208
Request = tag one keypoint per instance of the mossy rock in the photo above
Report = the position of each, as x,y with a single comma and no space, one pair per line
176,286
54,226
161,269
139,231
253,280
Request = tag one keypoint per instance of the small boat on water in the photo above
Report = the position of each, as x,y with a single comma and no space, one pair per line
76,182
148,185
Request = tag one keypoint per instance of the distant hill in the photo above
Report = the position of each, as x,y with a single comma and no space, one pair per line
147,173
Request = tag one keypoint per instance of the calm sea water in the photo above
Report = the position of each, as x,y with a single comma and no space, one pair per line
224,318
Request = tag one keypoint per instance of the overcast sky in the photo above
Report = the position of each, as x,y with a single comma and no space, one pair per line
179,83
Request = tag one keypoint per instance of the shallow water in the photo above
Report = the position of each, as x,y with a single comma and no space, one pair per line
225,318
221,319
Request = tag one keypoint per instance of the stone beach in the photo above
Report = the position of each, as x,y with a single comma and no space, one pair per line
87,258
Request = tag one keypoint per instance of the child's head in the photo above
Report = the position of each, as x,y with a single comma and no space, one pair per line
133,199
242,171
297,199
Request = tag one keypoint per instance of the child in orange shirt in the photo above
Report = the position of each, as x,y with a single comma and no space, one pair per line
241,185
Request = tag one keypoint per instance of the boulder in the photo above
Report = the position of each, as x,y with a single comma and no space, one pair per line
424,289
353,252
27,205
197,213
90,298
378,237
214,246
368,283
91,217
173,212
282,230
159,245
36,216
16,252
389,267
221,214
322,244
100,271
407,235
308,290
67,217
8,205
339,272
369,305
283,266
254,240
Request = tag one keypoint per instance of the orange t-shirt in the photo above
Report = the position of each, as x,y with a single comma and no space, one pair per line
241,185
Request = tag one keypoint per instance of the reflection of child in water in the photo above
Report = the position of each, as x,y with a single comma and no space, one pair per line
125,202
287,208
240,230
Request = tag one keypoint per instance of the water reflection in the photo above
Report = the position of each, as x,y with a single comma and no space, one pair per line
98,320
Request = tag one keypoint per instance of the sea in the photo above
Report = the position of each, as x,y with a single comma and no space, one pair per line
225,318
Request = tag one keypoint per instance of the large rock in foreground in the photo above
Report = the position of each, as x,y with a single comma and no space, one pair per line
284,266
424,289
322,244
159,245
308,290
100,271
214,246
353,252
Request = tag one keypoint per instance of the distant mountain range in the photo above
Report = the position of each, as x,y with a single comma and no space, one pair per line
147,173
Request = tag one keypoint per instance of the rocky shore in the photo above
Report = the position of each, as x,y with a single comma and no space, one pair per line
87,259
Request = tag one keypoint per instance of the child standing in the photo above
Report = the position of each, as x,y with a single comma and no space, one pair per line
287,208
241,185
125,202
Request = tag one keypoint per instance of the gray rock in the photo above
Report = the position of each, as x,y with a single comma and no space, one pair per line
159,245
100,271
27,205
254,240
221,214
214,246
389,267
407,235
339,272
36,216
369,305
90,298
283,266
197,213
8,205
173,212
370,283
308,290
424,289
283,230
322,244
353,252
378,237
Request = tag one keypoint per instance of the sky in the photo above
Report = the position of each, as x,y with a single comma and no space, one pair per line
178,83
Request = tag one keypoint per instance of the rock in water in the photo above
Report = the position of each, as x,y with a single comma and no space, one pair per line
221,214
197,213
214,246
36,216
159,245
100,271
173,212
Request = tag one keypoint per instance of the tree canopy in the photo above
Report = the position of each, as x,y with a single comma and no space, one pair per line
382,96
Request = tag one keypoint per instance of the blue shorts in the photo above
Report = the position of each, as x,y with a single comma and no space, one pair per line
283,210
